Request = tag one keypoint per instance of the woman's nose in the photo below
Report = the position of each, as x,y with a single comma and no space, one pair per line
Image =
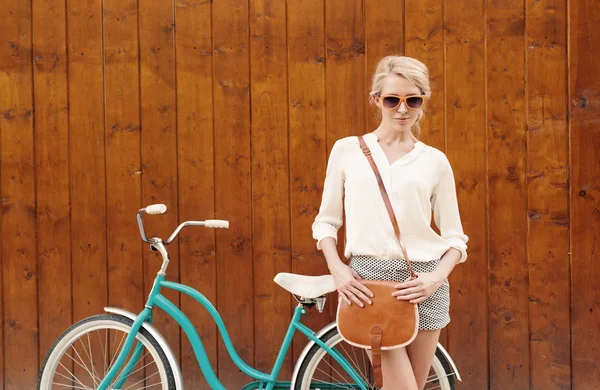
402,107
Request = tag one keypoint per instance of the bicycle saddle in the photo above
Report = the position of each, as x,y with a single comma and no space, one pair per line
305,286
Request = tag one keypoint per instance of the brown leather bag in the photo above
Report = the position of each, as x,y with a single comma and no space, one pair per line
388,323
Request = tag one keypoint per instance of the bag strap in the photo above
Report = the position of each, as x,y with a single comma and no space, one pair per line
376,336
386,200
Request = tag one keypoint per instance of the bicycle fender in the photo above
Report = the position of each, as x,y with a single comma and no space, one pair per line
450,361
159,339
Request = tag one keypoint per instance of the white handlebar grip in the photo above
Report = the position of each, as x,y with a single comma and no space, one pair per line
216,223
156,209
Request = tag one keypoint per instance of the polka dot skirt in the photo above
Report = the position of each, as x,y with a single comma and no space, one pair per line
434,312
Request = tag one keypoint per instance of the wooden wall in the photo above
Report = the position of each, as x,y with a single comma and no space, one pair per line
228,108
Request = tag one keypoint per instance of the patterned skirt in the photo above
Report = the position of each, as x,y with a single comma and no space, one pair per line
434,312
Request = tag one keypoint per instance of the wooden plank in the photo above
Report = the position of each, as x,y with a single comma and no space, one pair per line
233,183
384,36
507,194
584,95
424,37
52,171
123,154
548,195
465,148
17,195
306,80
346,89
196,175
159,145
425,42
87,158
270,179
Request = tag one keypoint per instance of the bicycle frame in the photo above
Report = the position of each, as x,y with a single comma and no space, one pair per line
267,381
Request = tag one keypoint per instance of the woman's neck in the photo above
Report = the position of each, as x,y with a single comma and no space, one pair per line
393,137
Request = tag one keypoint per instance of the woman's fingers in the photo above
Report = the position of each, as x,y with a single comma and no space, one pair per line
411,296
362,288
344,297
360,294
407,291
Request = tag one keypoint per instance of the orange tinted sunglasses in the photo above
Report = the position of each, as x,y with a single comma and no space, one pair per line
391,102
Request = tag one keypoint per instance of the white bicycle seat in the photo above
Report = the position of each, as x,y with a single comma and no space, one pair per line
305,286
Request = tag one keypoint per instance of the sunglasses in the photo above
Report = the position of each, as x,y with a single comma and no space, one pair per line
391,102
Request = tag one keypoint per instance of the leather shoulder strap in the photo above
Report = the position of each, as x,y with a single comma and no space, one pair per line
376,334
386,200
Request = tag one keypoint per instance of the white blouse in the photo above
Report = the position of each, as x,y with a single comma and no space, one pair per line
417,183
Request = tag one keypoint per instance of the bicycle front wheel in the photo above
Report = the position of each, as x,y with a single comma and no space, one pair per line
318,370
82,356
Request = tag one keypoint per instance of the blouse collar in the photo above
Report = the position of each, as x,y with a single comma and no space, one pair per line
372,141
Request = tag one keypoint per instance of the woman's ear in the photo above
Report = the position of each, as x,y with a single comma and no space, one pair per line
376,100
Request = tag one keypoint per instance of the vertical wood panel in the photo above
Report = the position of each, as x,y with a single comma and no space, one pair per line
584,98
52,171
233,183
507,194
87,157
306,80
196,175
17,194
548,195
270,179
346,90
159,144
384,35
425,41
123,182
465,139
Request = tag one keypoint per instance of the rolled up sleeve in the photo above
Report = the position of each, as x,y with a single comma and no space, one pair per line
329,219
446,214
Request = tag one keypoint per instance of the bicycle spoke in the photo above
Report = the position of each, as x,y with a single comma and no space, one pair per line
148,377
131,373
84,366
116,350
72,376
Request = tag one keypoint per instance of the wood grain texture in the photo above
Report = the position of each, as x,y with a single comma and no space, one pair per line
233,183
307,133
466,150
548,195
123,154
159,146
384,35
87,157
584,98
270,179
345,88
424,36
52,171
195,142
17,194
507,194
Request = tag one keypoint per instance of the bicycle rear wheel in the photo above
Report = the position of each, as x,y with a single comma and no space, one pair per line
318,370
82,356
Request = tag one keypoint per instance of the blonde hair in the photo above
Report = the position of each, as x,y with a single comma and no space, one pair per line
411,69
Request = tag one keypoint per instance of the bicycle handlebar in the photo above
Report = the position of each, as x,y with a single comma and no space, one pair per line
161,209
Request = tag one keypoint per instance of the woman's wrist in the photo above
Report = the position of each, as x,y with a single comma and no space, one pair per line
447,263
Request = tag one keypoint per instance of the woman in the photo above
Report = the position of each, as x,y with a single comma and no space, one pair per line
418,179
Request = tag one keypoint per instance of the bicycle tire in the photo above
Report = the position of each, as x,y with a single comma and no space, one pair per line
102,322
443,374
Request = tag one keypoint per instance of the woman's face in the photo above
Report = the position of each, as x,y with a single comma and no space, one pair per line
401,117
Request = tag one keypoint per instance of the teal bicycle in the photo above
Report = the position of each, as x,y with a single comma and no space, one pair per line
121,350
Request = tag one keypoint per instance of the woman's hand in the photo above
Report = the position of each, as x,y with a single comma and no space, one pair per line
419,289
347,282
